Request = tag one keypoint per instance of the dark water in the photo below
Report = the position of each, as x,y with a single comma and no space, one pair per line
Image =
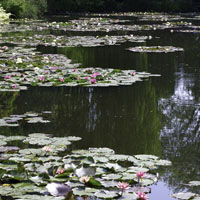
159,116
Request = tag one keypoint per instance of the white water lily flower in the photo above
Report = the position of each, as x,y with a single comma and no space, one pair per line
19,60
84,179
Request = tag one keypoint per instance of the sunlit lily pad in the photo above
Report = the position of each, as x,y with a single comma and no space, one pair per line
106,194
155,49
184,195
194,183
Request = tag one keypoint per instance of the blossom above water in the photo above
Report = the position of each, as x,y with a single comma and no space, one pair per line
84,179
140,174
5,48
94,75
47,148
14,86
61,79
142,196
60,170
123,185
7,77
93,81
41,78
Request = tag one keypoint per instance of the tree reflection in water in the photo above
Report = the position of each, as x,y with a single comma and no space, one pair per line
180,133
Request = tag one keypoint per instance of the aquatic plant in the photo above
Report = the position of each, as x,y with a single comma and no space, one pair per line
96,172
155,49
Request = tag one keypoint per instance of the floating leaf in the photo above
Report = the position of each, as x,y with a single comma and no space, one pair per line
106,194
184,195
194,183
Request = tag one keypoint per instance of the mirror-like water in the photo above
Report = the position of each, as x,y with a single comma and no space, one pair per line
160,116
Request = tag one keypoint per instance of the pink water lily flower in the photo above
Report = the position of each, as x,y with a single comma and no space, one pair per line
93,81
84,179
141,196
7,77
14,86
133,73
53,68
140,175
61,79
47,148
74,70
123,185
41,78
94,75
5,48
60,171
87,78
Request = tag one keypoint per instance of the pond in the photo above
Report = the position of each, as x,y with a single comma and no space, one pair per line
159,115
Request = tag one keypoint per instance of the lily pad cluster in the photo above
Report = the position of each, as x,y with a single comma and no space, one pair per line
74,41
23,62
16,120
155,49
96,172
51,76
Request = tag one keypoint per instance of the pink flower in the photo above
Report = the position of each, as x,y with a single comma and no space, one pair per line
141,196
14,86
53,68
133,73
47,148
84,179
60,171
94,75
41,78
93,81
7,77
74,70
87,78
123,185
140,174
5,48
47,72
61,79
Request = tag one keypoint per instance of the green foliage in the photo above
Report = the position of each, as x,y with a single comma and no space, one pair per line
62,6
25,8
4,17
16,7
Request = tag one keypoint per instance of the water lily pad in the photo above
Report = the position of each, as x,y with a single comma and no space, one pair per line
184,195
155,49
111,176
194,183
106,194
104,151
146,157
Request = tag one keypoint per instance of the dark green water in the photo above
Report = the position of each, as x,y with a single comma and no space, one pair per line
159,116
